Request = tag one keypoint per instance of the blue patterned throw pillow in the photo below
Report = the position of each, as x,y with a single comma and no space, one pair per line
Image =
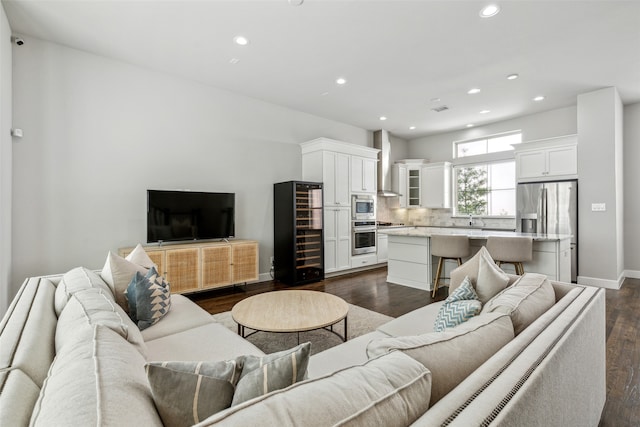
149,298
459,307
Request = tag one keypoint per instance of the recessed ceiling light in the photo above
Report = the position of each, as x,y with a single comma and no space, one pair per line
341,81
241,40
538,98
485,111
234,61
383,118
435,100
412,127
473,91
296,2
512,76
489,11
470,125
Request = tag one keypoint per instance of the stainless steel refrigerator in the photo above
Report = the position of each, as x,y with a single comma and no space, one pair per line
550,208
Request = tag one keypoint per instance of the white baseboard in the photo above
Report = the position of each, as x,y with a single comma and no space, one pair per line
601,283
263,277
632,274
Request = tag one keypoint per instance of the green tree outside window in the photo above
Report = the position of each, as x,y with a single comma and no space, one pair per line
472,191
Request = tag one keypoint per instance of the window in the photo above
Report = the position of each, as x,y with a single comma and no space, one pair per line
492,144
485,176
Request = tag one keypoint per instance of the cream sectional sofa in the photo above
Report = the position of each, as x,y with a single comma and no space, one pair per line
552,373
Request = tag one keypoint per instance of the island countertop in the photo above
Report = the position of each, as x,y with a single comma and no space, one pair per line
472,233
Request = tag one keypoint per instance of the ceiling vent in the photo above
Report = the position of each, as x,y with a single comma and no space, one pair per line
440,109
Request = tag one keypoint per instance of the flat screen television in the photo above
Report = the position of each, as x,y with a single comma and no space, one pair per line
189,215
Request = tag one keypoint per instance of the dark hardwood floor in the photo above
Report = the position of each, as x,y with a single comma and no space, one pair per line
369,289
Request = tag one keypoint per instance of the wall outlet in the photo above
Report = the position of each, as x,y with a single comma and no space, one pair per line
271,261
598,207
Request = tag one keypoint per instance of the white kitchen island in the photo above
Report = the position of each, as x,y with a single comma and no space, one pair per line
410,262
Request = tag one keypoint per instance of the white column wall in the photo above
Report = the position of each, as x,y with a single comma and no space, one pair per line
631,192
6,145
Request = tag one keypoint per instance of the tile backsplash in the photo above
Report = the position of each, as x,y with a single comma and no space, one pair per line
389,211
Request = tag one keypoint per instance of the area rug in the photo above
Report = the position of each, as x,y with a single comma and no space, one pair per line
359,322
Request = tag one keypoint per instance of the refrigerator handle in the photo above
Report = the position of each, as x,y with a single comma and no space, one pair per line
542,215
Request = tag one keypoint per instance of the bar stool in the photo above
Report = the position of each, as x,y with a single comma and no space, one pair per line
511,250
448,247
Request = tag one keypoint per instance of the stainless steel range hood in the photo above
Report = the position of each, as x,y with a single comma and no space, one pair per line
382,143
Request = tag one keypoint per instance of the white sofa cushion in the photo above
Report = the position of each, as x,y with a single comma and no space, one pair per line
392,390
417,322
184,314
453,354
17,398
77,279
524,301
350,353
27,332
101,381
95,307
211,341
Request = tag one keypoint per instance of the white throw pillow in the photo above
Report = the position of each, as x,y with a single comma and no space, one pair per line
140,257
487,278
118,272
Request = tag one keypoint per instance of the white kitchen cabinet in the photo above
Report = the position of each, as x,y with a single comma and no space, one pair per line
337,239
436,186
382,247
548,159
363,175
335,175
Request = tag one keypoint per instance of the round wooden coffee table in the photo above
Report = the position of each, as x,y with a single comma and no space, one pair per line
290,311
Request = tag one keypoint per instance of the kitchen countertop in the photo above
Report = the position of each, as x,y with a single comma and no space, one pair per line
477,234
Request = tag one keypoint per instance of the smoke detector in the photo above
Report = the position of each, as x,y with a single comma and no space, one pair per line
440,109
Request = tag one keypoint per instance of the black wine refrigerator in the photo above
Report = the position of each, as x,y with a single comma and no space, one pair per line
298,232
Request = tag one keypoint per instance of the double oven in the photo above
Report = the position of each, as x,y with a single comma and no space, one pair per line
363,224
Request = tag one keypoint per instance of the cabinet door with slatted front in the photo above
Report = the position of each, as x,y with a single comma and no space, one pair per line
158,259
216,266
183,269
245,262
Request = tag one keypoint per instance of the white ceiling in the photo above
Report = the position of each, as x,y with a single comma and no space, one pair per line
396,55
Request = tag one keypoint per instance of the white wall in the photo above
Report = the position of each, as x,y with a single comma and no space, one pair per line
6,294
99,133
631,192
438,148
599,169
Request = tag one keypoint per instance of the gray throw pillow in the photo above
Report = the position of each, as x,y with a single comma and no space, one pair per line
186,393
261,375
149,298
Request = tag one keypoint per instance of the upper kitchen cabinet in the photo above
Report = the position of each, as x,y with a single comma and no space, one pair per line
436,185
341,166
363,175
547,159
407,180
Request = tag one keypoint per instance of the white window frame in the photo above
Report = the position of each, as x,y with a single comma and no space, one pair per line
479,160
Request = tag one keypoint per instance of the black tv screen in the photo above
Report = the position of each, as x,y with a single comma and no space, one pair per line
189,215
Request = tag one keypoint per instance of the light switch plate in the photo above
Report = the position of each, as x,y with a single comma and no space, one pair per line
598,207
